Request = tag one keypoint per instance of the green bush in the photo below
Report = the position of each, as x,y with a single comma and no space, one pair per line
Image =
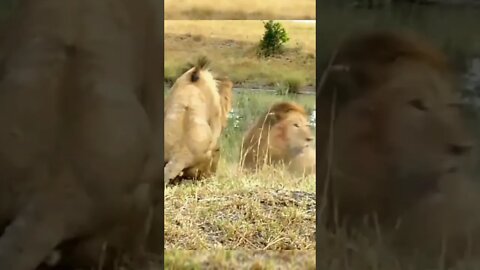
273,39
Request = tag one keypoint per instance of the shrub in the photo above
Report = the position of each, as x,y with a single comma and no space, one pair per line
273,39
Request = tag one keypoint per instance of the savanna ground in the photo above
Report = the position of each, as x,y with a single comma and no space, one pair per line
240,259
239,10
268,210
231,46
455,30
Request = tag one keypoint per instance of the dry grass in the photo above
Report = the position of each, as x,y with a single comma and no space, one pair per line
243,30
240,259
267,210
371,249
239,10
231,45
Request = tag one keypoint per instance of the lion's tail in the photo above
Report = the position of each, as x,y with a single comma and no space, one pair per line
202,64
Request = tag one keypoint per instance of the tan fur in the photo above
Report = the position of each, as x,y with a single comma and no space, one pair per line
194,119
208,167
79,101
281,135
397,129
304,163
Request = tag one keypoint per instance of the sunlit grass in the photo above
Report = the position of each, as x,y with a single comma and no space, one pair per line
239,10
239,259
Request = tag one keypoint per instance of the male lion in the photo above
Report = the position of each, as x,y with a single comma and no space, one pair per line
280,135
79,104
208,167
195,115
393,107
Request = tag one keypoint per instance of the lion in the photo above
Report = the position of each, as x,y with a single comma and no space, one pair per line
391,129
194,119
208,167
304,162
280,135
79,104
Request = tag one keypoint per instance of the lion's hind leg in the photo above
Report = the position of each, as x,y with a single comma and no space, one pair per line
172,170
177,164
197,143
200,138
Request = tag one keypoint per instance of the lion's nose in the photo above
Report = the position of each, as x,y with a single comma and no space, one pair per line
309,139
459,149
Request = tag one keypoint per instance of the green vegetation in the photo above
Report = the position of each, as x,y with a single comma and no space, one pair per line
273,39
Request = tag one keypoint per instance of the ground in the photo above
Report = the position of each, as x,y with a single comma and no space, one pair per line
231,46
268,210
239,10
240,259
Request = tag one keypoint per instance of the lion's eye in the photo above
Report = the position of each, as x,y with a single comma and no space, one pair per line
418,104
296,125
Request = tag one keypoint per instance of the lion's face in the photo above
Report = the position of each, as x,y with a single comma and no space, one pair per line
292,134
425,128
402,137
